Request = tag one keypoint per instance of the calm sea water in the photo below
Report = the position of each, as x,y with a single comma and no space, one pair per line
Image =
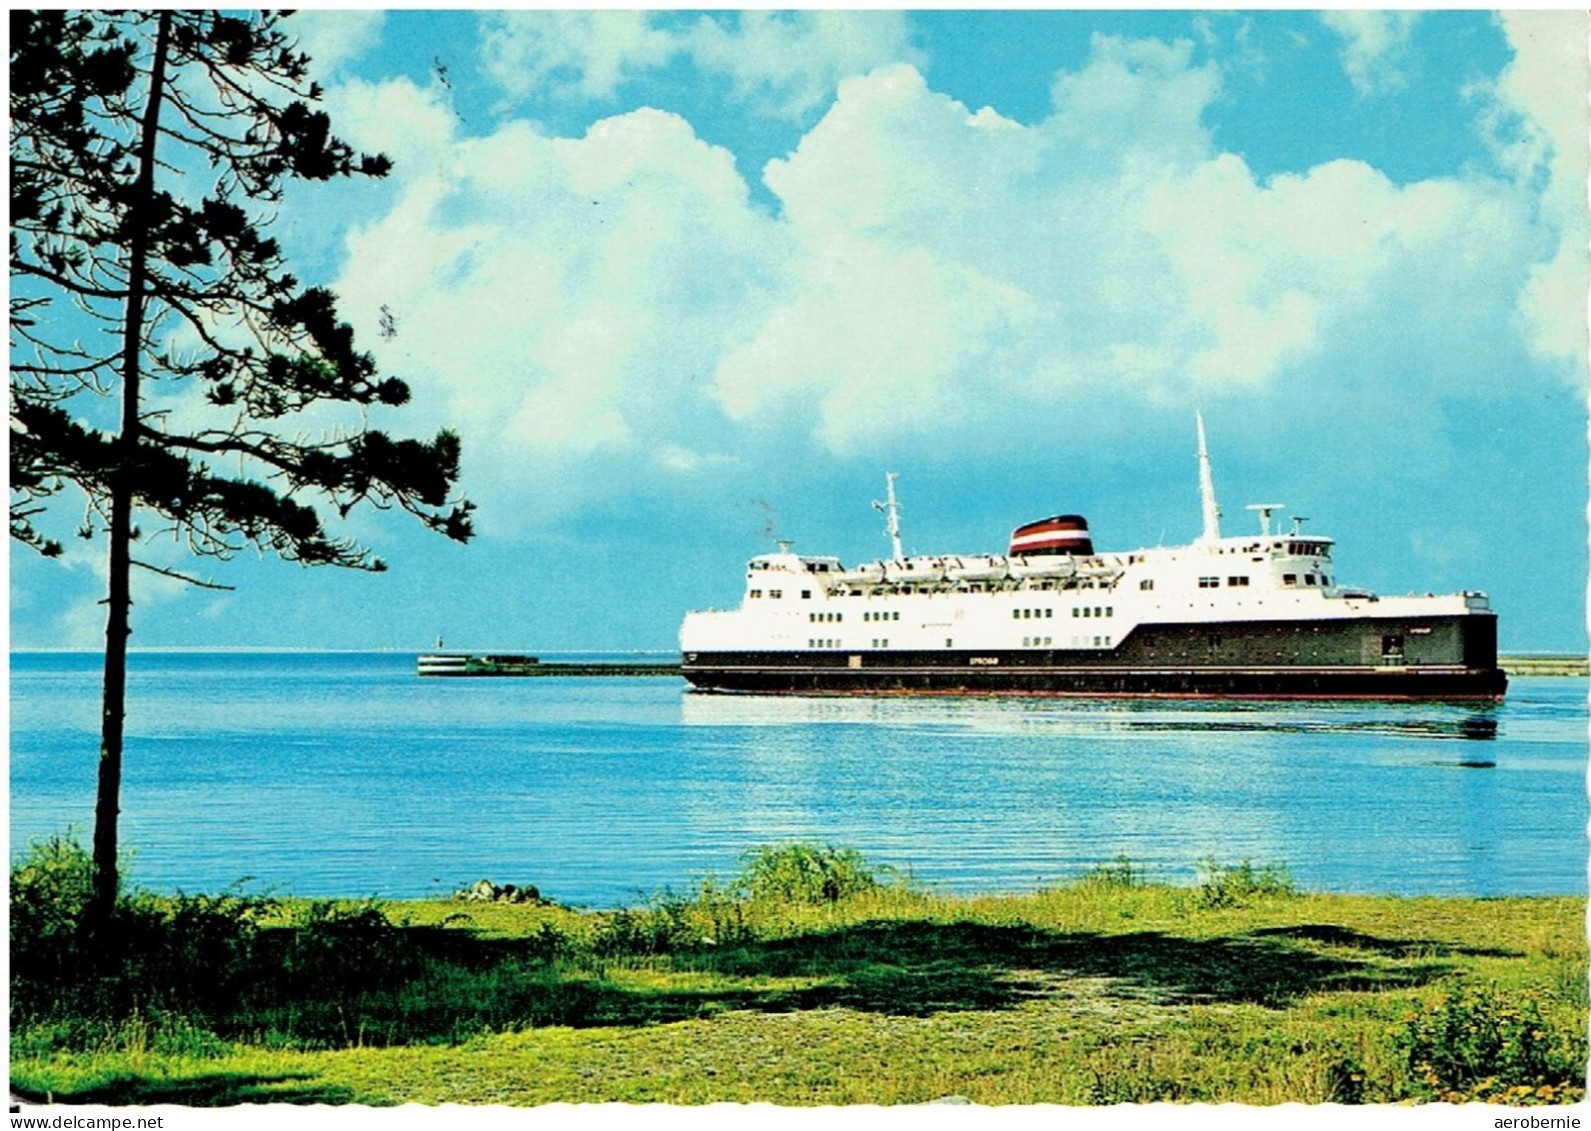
345,774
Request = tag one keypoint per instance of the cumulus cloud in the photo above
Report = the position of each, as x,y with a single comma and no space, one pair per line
786,64
334,38
561,298
1538,123
571,54
783,64
1374,46
614,309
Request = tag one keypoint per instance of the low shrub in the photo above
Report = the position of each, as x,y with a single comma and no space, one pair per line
50,890
805,873
336,949
1119,873
665,925
1478,1045
723,915
191,954
1235,885
158,955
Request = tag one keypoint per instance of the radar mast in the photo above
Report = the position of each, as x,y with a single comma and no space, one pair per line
891,509
1212,511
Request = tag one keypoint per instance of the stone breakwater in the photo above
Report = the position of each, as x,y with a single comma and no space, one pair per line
1543,665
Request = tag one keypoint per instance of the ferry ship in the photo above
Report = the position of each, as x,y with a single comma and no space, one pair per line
1260,616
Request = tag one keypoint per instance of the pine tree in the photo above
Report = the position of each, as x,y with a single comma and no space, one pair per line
149,151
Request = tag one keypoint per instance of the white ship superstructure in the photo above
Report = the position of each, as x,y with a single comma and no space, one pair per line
1258,614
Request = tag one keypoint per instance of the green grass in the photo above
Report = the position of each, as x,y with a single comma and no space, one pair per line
833,983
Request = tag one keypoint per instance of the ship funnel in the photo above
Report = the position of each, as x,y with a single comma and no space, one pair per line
1061,534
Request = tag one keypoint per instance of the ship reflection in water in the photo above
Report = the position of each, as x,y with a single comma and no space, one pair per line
1082,716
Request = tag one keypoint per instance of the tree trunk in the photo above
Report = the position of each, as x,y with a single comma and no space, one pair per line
107,802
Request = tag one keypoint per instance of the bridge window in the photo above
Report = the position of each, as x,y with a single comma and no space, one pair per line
1209,583
756,592
1237,581
1147,583
1289,579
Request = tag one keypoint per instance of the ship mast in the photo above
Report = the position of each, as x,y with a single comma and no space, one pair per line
891,509
1212,511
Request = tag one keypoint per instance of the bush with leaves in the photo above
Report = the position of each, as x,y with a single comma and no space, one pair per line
50,890
1236,885
1480,1045
805,873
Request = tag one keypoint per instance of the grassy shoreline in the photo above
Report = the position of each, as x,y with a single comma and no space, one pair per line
817,980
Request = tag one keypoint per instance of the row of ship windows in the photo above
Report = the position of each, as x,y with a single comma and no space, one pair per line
1241,581
806,594
836,618
1081,611
1027,642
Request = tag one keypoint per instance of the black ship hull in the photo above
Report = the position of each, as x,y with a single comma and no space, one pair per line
1439,658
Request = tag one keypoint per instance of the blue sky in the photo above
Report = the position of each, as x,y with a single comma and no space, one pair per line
689,281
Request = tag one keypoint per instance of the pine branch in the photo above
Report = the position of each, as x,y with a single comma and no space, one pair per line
182,577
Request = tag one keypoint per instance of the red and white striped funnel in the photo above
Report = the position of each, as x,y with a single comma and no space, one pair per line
1061,534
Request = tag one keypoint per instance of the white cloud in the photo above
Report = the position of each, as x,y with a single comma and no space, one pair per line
1538,123
672,457
1375,44
574,54
784,64
875,339
602,311
1136,97
413,126
563,298
333,38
